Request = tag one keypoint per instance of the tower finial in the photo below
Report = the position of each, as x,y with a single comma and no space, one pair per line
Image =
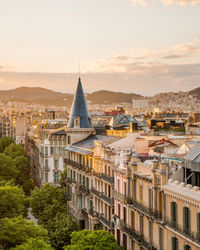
79,70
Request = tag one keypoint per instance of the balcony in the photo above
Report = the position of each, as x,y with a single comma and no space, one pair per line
119,196
144,209
107,199
93,213
95,192
102,196
83,189
69,180
107,178
136,235
195,237
78,165
106,221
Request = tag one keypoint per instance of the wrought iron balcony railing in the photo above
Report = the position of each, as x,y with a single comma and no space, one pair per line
186,232
139,238
105,221
107,178
102,196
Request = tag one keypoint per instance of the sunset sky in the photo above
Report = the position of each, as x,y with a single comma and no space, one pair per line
139,46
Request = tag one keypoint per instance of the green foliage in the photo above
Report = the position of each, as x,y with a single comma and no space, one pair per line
94,240
14,150
62,179
60,229
5,142
34,244
8,169
16,231
23,179
12,202
47,202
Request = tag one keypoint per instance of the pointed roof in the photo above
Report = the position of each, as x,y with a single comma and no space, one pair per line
79,109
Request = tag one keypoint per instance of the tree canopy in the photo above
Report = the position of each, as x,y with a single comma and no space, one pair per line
12,202
34,244
47,202
8,169
14,150
5,142
94,240
60,229
17,230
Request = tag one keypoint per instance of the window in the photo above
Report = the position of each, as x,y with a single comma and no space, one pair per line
150,199
125,215
132,220
55,163
87,182
56,150
186,219
46,151
151,231
105,169
51,150
46,177
46,164
68,139
198,226
60,150
141,193
160,238
118,185
119,212
173,213
83,180
141,225
174,243
187,247
56,175
124,188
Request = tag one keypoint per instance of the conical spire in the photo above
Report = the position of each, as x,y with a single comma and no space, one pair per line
79,109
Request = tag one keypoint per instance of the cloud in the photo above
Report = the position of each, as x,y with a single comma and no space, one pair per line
146,3
144,59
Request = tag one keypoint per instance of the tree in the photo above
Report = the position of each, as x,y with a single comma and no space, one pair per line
60,229
14,150
34,244
17,230
5,142
8,169
94,240
23,178
12,202
47,202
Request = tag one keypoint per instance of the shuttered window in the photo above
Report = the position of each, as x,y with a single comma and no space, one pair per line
174,213
174,243
187,247
198,226
186,219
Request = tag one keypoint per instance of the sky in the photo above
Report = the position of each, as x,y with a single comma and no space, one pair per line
138,46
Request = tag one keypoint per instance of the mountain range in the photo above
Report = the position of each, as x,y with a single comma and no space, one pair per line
50,97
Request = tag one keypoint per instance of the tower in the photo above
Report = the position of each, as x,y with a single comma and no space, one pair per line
79,124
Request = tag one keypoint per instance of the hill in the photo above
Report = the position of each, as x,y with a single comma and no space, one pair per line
195,93
49,97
